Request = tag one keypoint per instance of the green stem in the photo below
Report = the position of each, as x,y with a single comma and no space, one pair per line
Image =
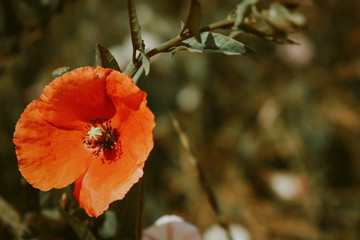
131,68
140,209
167,45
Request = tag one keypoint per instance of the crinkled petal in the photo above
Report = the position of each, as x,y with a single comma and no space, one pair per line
104,183
49,157
136,134
107,181
124,93
76,97
136,128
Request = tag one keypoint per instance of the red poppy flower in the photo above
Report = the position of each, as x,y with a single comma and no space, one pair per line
91,126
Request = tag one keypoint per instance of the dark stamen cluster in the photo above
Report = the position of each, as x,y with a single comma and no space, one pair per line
107,142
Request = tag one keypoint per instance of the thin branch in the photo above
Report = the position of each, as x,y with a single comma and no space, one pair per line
202,178
131,69
140,209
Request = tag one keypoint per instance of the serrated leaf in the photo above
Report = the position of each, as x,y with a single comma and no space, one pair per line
135,28
193,20
105,59
214,42
80,229
59,71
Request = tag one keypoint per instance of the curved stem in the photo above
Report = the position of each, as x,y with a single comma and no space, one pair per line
131,69
167,45
140,210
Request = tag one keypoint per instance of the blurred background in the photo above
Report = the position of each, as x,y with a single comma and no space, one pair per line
277,133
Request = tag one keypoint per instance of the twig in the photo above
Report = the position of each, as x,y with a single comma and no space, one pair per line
203,181
131,69
140,209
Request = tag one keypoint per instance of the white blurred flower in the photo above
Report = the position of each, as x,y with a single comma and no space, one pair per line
288,186
189,98
237,232
171,227
298,55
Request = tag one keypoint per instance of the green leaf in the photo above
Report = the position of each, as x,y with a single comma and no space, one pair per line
10,220
135,28
109,227
145,63
193,20
214,42
105,59
80,229
137,42
59,71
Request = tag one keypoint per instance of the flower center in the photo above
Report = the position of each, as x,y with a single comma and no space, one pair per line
102,138
95,133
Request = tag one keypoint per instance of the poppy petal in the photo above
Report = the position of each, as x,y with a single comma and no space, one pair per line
120,85
136,134
136,128
49,157
134,119
105,182
76,97
49,144
124,93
